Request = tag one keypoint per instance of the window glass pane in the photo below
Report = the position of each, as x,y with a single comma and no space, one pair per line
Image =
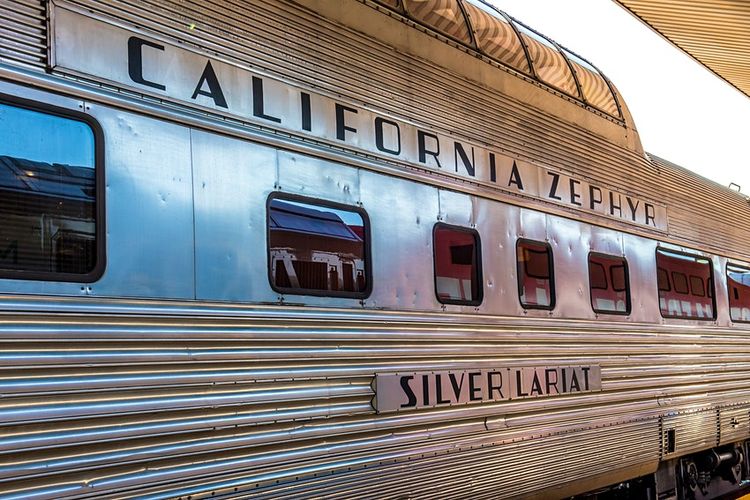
662,279
594,87
47,193
316,248
549,64
611,297
678,298
535,275
496,37
457,278
738,284
444,16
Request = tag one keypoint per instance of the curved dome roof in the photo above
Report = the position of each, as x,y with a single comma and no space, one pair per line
496,35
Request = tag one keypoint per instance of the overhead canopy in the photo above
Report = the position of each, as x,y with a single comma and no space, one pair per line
716,33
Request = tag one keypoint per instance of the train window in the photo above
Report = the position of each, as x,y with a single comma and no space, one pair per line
684,295
445,16
595,89
611,296
318,248
458,276
50,167
738,287
496,37
536,287
549,64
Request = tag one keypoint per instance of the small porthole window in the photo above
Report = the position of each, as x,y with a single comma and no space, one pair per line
458,277
536,285
738,284
684,284
318,248
608,282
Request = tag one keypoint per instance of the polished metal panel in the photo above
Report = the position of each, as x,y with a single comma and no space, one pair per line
734,424
402,216
244,392
232,181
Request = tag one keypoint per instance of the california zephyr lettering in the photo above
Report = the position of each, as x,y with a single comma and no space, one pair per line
413,390
94,48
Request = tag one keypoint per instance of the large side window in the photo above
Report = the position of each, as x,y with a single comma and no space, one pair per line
536,284
685,286
608,282
318,248
458,277
50,167
738,288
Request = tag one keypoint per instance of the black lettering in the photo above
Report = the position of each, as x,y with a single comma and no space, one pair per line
549,384
459,151
593,200
575,386
586,377
214,89
259,103
473,389
426,390
411,398
306,111
379,136
612,205
519,385
632,208
553,188
536,385
491,387
135,61
341,126
493,170
565,386
650,215
515,177
10,250
574,196
423,151
456,385
439,391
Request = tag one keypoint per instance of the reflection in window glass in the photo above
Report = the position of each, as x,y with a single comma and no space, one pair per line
457,278
678,298
738,287
611,295
594,87
550,66
535,275
444,16
316,248
496,37
47,194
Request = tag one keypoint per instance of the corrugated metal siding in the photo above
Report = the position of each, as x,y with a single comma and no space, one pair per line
713,32
23,32
311,51
117,397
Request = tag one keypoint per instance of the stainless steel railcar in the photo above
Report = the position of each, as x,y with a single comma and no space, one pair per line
405,248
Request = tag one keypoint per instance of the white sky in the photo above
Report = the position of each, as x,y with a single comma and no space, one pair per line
683,113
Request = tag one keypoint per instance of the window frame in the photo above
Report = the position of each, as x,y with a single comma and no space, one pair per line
628,301
550,266
477,256
710,278
367,253
100,226
729,295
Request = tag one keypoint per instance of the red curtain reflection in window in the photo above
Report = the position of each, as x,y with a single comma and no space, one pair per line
535,285
684,286
608,280
456,266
